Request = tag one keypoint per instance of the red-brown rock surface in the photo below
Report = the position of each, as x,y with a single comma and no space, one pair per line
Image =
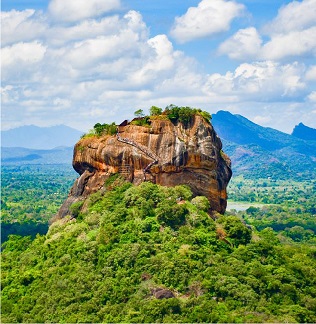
171,154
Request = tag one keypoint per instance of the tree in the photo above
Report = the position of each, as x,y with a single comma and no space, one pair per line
171,214
139,113
206,115
236,230
154,111
186,114
201,203
104,129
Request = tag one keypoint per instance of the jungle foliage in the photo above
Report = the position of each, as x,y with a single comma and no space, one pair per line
129,242
185,114
172,112
104,129
31,195
286,206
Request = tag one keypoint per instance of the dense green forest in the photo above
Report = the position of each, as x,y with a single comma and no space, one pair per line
31,195
273,191
156,254
153,254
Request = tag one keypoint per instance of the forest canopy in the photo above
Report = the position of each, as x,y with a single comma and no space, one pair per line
153,254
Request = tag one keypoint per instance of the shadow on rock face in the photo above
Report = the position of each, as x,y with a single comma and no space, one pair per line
164,153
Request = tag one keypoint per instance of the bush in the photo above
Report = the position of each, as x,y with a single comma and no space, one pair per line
185,114
105,129
155,111
183,192
201,203
143,121
206,115
75,208
146,190
171,214
236,230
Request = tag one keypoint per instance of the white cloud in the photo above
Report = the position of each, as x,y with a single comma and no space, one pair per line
102,69
17,26
292,34
60,103
90,68
91,52
246,43
8,94
19,59
260,81
312,96
161,60
295,43
91,28
75,10
311,73
295,16
22,53
262,120
208,18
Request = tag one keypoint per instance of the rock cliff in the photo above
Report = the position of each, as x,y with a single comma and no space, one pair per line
164,153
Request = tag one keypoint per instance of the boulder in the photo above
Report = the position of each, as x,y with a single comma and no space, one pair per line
164,153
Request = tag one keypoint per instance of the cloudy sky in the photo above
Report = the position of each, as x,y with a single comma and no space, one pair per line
79,62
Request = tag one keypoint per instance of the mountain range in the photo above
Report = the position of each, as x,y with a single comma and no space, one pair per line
21,155
262,151
40,138
255,151
304,132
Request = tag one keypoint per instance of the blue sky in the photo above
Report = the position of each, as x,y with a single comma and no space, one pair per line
78,62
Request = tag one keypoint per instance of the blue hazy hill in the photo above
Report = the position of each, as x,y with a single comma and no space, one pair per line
304,132
263,151
45,138
21,155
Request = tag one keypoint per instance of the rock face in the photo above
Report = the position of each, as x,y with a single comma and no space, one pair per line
162,153
161,293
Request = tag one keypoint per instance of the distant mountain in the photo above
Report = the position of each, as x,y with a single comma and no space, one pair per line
304,132
34,137
20,155
261,151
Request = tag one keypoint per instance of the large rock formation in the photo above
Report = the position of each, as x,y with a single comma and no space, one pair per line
163,153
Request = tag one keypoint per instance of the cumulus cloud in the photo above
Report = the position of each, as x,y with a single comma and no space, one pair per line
291,34
160,61
312,97
260,81
75,10
294,16
208,18
19,26
246,43
91,52
101,69
20,59
89,68
90,28
292,44
311,73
